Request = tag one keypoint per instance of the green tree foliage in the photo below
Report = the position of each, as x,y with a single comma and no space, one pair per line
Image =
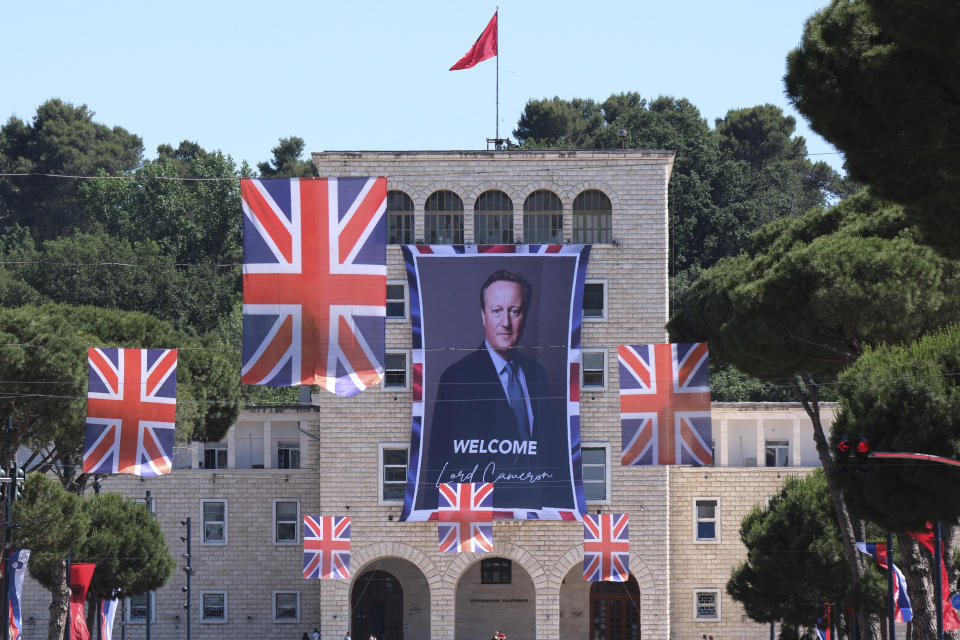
795,559
905,399
118,534
128,545
726,182
286,161
51,521
187,201
61,140
877,78
102,270
43,363
810,293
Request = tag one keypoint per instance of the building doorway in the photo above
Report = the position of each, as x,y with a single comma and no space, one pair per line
377,605
615,610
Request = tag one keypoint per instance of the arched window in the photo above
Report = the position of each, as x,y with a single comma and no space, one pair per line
493,218
592,218
399,218
443,218
542,218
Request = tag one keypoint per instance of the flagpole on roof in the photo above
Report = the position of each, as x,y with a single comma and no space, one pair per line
497,115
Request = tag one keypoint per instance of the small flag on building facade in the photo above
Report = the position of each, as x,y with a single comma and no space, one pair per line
465,517
18,569
606,547
485,47
314,282
326,547
131,411
665,404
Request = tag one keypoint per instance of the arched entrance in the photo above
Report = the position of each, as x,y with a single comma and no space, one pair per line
615,610
495,593
377,605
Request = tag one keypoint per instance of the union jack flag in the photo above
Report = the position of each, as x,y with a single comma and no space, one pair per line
606,547
465,517
314,282
131,411
665,404
326,547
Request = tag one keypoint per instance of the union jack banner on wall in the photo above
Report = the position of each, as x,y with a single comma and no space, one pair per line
314,282
606,547
326,547
665,404
131,411
465,517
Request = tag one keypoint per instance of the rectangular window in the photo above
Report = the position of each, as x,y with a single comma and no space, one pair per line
213,605
286,518
137,608
778,453
400,227
593,369
288,455
706,605
215,456
705,519
286,606
215,521
495,571
395,371
396,300
594,300
393,471
594,466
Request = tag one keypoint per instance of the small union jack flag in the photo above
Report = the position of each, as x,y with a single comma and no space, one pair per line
465,517
131,411
314,282
606,547
665,404
326,547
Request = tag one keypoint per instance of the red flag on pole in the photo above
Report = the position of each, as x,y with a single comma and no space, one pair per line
80,575
951,620
485,47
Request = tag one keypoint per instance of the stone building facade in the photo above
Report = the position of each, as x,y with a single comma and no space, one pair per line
246,496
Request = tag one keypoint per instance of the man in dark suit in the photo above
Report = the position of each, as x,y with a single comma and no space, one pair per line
496,418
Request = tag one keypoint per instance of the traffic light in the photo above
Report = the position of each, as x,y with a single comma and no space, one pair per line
3,476
842,457
861,453
19,477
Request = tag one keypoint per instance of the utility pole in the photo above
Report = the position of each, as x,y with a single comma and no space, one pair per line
189,571
149,501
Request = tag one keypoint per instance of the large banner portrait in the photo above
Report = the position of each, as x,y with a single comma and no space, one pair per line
496,376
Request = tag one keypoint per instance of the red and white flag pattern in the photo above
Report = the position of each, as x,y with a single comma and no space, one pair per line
314,282
606,547
326,547
665,404
465,517
131,411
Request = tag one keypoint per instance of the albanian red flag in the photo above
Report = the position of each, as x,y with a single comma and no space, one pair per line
485,47
80,575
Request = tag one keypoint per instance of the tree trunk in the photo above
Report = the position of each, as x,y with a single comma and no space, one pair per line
918,567
60,605
806,390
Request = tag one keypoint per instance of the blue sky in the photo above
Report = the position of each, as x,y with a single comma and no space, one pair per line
368,74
